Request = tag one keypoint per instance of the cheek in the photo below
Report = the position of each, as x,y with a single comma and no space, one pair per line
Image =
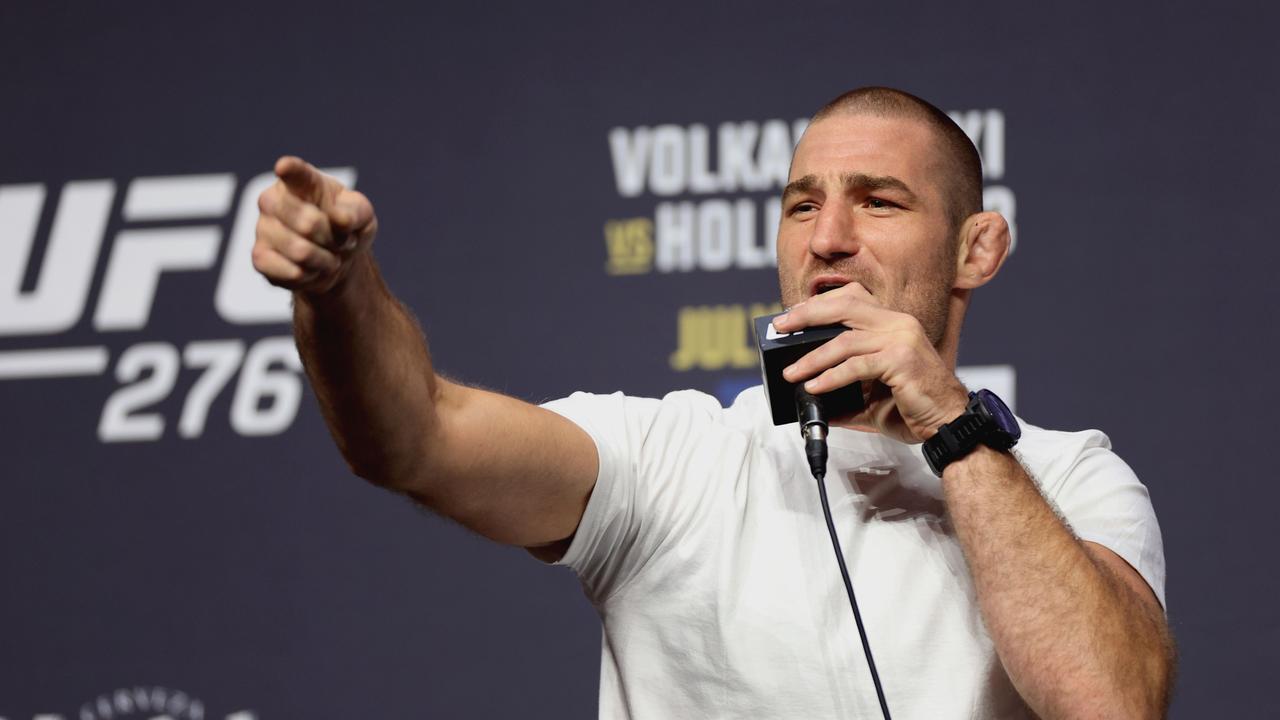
791,250
791,262
786,255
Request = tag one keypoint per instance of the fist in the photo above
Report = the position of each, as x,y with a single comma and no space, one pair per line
310,229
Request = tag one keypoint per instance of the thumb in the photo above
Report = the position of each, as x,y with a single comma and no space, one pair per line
301,178
351,211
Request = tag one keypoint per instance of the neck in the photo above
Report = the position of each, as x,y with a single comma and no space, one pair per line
949,347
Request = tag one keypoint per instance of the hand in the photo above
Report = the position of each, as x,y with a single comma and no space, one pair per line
912,391
310,229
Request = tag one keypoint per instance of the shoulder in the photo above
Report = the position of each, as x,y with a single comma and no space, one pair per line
1057,458
1098,494
587,403
1044,445
613,414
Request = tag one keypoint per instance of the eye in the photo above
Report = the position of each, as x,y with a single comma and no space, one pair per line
879,203
802,207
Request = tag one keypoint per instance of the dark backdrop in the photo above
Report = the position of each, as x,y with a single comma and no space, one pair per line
204,547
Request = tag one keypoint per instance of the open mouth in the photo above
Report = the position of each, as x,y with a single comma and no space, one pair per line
827,283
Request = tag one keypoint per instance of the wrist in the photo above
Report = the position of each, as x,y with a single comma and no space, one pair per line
980,457
352,285
955,405
985,421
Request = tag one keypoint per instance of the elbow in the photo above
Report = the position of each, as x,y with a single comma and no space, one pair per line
372,472
1150,680
401,461
1147,689
366,460
412,475
379,465
1160,671
397,477
395,448
1139,689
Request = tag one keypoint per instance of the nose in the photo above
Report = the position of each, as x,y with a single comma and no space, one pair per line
834,233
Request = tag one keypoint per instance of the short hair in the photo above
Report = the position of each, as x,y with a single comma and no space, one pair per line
960,160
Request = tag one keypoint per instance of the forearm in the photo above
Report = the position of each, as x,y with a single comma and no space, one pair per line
368,363
1075,641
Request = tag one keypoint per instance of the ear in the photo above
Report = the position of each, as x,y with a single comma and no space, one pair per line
984,245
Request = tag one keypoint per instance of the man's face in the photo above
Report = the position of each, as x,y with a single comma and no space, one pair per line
866,203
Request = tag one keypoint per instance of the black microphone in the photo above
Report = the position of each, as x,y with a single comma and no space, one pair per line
777,351
813,428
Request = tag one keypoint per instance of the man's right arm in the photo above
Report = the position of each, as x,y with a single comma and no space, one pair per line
511,471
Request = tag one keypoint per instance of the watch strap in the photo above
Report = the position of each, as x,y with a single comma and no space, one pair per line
954,440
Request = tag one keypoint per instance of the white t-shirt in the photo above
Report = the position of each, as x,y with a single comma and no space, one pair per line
704,549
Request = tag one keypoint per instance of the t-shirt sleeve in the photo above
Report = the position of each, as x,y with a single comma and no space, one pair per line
645,492
1103,501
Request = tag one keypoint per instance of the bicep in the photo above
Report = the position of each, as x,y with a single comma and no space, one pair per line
1106,505
511,471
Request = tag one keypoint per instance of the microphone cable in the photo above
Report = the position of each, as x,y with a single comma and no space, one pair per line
813,427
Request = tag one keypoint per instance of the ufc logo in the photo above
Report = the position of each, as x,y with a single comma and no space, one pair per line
139,253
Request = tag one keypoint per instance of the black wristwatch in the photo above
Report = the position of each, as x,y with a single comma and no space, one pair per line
987,420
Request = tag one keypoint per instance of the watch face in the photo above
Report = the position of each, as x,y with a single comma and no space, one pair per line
1000,412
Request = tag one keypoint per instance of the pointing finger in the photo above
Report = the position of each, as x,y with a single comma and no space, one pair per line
302,179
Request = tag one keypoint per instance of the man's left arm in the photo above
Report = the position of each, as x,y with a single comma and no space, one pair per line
1078,631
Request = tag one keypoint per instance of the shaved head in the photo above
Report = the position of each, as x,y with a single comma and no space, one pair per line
956,154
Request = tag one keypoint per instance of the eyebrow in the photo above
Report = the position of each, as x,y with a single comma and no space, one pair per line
850,181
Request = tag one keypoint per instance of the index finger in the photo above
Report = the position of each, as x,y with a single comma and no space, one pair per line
302,178
859,290
852,306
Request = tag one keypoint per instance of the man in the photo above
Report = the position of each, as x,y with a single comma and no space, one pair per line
695,529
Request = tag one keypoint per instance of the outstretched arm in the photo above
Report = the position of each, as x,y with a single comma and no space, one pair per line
511,471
